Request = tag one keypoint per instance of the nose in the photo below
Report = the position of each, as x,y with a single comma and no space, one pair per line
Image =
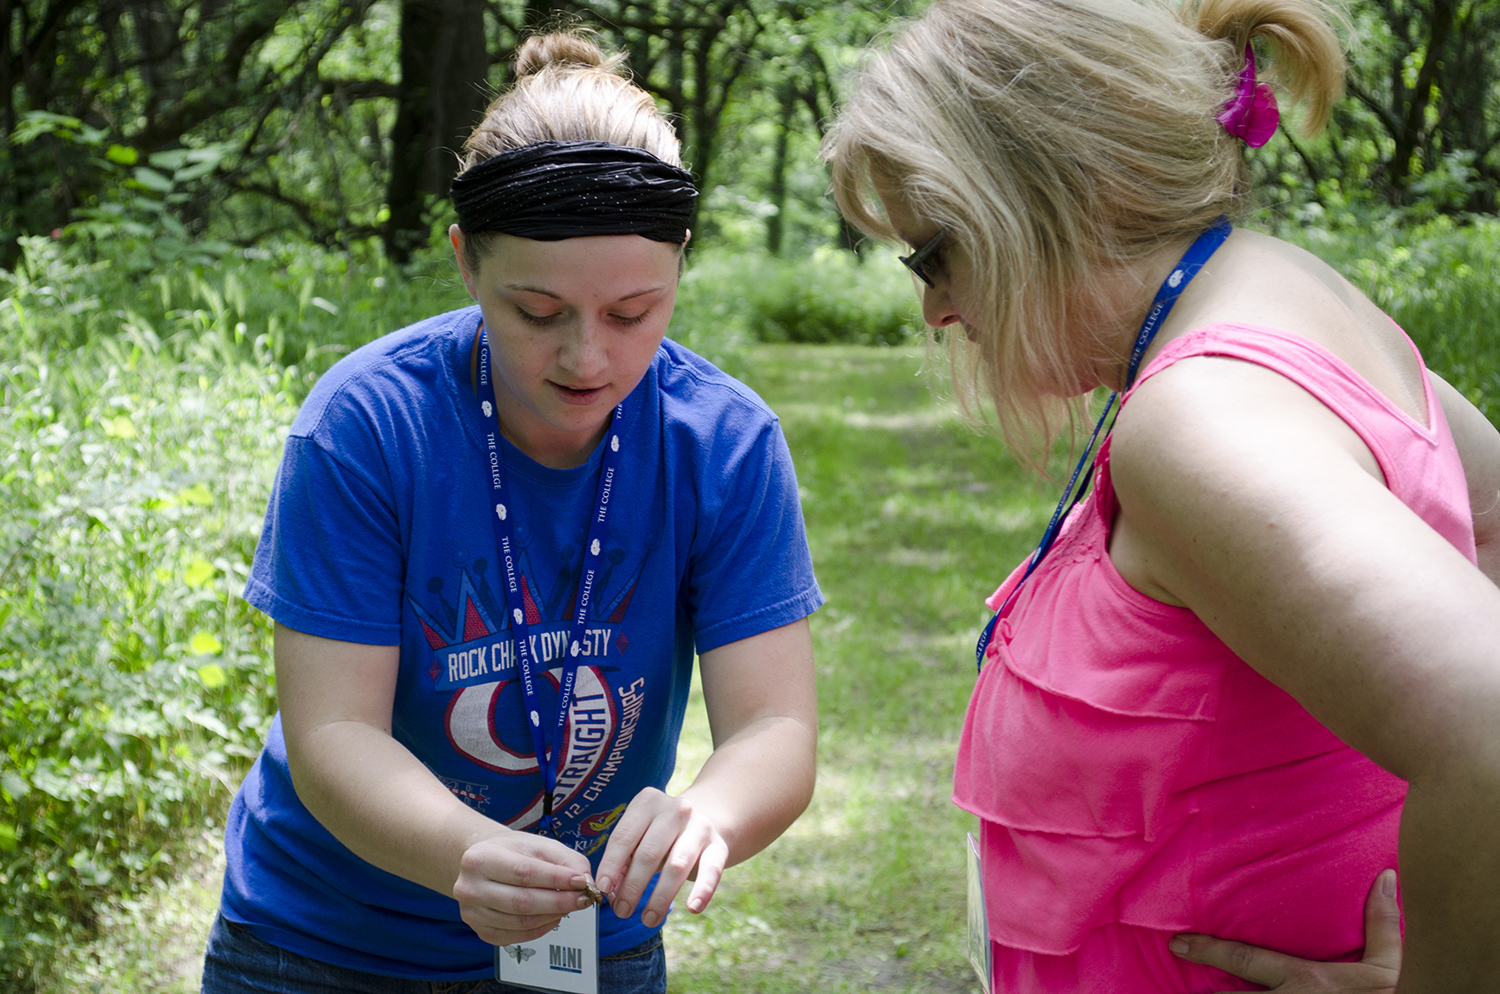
582,352
937,304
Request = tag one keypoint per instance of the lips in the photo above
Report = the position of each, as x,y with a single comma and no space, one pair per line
580,396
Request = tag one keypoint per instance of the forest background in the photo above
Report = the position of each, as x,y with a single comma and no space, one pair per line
203,203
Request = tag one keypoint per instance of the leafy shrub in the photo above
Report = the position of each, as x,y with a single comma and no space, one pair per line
830,296
136,683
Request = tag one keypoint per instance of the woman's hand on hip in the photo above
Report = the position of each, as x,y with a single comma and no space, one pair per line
1377,972
515,887
659,832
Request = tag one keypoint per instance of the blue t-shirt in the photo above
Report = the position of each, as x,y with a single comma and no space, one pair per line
378,532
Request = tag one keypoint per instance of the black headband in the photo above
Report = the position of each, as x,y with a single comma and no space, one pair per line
555,190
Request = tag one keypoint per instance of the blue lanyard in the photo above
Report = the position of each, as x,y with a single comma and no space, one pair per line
1171,288
520,625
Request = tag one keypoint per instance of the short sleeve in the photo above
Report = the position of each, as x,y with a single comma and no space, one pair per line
330,560
750,568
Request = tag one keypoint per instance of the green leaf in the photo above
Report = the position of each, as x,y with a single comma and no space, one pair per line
14,785
204,644
152,180
120,427
199,571
122,154
207,719
170,160
213,677
7,837
41,122
196,171
196,494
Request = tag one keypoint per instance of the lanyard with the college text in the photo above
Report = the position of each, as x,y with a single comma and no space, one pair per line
515,601
1171,288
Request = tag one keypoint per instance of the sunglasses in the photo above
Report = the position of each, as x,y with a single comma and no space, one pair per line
917,261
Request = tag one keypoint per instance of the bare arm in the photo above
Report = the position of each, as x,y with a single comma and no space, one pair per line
1479,447
762,710
387,807
1253,505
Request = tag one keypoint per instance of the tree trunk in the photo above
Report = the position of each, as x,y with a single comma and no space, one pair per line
1410,137
775,222
440,98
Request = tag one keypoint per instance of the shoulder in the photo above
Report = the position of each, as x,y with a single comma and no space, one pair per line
706,407
388,380
1211,421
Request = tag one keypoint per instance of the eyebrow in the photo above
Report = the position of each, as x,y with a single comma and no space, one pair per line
523,288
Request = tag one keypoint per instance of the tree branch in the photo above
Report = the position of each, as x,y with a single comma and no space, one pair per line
222,93
360,89
1387,120
330,236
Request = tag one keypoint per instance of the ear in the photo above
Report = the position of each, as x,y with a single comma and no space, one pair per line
458,240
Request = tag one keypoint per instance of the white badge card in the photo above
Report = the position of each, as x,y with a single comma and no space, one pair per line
565,959
979,922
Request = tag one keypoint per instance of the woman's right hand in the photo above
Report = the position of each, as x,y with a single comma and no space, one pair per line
515,886
1375,974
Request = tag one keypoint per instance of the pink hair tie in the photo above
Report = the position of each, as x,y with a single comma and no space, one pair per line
1251,114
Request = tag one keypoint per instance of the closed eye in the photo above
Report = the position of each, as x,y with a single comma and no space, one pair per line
541,320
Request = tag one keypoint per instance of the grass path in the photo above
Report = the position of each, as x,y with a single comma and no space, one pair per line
912,519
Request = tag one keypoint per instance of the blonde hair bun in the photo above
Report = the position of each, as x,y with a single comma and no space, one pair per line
562,49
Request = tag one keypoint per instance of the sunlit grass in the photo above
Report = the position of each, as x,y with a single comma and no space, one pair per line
913,519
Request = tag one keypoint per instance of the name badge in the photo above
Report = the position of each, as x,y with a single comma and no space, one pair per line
979,921
565,959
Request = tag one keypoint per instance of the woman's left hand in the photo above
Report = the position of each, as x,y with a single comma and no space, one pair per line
1377,972
665,833
762,707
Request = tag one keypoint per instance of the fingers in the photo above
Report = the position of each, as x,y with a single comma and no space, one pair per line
661,834
1378,971
1383,923
514,886
710,871
1259,966
639,847
697,848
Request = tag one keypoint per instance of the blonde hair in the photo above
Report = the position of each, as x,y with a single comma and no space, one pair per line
567,89
1059,139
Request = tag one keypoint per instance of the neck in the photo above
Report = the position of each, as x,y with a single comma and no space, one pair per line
555,450
1128,294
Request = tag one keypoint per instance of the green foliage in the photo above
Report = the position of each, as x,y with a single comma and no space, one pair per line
142,418
132,212
1436,280
828,296
135,684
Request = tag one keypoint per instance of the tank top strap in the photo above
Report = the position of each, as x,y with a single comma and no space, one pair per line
1419,461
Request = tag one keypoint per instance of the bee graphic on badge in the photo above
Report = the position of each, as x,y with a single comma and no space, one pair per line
519,953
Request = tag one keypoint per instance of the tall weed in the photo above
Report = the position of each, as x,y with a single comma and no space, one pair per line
135,681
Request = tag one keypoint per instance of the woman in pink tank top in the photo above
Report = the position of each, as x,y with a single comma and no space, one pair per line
1258,665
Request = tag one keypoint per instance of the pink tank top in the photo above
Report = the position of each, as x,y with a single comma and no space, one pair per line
1132,773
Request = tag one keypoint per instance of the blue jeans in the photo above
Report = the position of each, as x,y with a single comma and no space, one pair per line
239,963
